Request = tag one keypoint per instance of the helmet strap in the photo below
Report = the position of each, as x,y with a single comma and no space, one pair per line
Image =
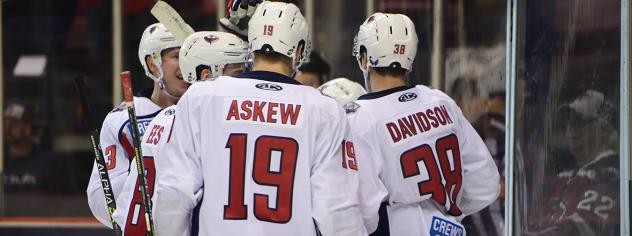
367,79
365,72
163,88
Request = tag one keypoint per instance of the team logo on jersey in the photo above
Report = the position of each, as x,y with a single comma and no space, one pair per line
170,112
351,107
268,86
211,38
407,97
445,227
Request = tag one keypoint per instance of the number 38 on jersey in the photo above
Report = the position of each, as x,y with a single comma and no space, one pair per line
444,193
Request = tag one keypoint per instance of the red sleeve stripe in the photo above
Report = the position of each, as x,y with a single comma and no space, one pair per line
127,146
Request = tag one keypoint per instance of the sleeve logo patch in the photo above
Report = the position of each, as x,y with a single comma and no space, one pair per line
444,227
351,107
269,87
407,97
170,112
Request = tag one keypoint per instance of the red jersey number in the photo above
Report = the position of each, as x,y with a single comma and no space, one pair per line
348,156
136,225
262,174
110,157
433,185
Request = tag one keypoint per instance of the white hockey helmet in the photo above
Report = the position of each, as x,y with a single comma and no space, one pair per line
279,27
343,90
155,39
390,40
213,49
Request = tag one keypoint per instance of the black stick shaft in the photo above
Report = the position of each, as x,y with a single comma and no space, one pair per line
98,154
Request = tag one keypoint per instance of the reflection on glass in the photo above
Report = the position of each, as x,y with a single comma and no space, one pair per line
567,161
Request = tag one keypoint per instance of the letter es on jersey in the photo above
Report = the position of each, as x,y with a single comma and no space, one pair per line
407,97
269,87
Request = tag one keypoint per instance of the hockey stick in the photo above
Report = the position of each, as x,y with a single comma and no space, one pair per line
98,153
136,139
172,20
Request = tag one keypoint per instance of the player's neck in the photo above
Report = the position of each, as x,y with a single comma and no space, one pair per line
277,67
380,82
160,98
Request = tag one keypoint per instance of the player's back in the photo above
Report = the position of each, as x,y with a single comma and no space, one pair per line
417,141
266,146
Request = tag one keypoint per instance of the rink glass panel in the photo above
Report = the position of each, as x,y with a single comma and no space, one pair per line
566,170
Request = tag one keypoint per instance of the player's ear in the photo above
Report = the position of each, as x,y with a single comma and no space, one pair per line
299,52
152,66
364,60
205,74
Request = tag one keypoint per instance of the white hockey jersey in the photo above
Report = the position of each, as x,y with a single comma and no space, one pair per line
118,150
267,153
129,209
421,156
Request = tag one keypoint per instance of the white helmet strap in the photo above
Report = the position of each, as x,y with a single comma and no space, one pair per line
367,79
365,71
163,88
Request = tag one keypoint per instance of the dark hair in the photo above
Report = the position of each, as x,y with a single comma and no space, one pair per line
316,65
271,56
390,71
463,88
163,52
497,94
394,70
198,70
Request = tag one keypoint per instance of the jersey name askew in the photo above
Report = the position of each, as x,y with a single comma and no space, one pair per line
263,112
418,122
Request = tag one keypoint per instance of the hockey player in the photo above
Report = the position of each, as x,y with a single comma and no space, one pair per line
418,153
343,90
158,53
264,151
204,56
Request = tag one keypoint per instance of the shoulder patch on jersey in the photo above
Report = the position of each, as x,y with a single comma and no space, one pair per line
351,107
269,87
406,97
169,112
